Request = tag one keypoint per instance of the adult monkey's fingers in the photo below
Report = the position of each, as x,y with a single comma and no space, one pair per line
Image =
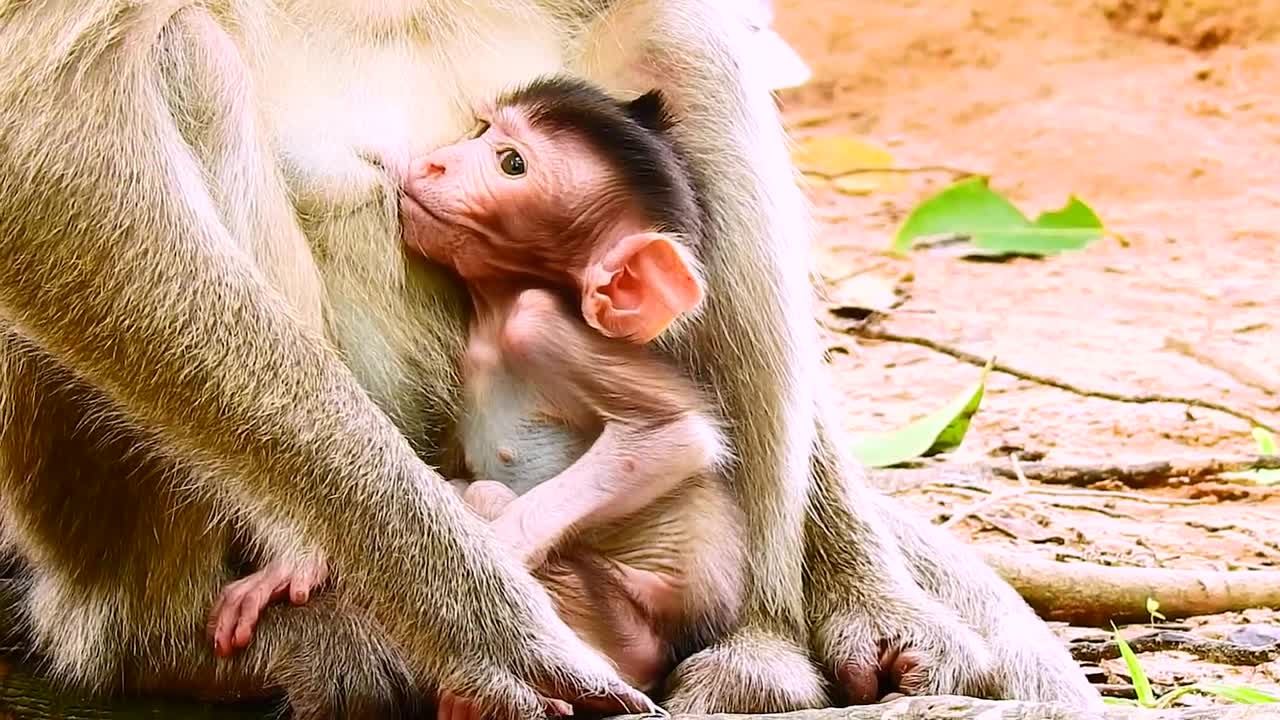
602,692
500,696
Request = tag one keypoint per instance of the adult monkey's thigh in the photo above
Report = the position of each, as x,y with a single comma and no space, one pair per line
757,344
147,265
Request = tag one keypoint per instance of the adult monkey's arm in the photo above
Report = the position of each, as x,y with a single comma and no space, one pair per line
114,259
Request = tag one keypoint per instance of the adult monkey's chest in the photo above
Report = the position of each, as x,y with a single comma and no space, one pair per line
342,102
343,107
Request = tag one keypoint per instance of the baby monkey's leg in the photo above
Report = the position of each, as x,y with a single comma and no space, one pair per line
602,600
235,613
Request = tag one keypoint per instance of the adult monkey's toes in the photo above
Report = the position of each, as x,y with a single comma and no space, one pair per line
932,654
752,671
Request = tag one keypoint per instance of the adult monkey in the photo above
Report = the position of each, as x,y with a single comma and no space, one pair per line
211,334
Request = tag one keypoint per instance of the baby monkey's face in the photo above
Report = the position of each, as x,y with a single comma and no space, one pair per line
505,200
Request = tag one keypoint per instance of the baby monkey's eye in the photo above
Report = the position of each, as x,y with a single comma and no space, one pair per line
511,162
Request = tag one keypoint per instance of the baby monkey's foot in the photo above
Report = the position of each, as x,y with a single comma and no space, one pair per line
235,614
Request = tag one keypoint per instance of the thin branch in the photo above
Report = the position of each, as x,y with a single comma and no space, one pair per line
976,477
967,357
1114,494
996,498
831,177
984,504
1093,509
1142,475
971,490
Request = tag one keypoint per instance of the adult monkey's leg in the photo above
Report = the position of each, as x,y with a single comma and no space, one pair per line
1026,661
117,261
755,343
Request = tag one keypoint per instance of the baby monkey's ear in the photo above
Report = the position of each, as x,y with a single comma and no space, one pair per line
637,289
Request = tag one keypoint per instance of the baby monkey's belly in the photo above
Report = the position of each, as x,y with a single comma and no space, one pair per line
646,590
510,438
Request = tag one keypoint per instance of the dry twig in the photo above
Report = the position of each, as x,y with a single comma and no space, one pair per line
996,498
974,478
1141,475
831,177
871,333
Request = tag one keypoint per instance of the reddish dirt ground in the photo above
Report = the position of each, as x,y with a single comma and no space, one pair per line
1176,148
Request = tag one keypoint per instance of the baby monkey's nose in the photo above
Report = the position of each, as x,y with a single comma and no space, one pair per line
434,168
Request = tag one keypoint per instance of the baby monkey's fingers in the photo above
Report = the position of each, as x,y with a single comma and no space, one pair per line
236,610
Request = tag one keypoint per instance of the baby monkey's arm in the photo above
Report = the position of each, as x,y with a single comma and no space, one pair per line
657,430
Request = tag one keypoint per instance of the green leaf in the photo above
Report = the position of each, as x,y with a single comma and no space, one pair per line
1074,216
1266,441
940,431
1166,700
1237,693
1119,701
995,227
1141,685
1153,609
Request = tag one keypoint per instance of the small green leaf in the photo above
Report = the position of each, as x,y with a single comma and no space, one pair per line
1153,609
1119,701
1266,441
1075,215
995,226
940,431
1237,693
1141,685
1166,700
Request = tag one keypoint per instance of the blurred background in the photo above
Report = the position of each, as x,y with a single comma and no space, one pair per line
1164,118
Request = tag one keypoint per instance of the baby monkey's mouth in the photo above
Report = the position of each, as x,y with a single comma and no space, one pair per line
412,199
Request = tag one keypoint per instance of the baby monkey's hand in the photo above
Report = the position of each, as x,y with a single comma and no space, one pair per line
235,614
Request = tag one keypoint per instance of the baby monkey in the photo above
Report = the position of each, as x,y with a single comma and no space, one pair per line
572,220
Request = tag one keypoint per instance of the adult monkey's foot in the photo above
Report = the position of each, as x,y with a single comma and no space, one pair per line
752,671
898,605
928,651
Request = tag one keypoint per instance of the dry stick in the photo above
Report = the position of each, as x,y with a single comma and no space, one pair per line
1141,475
1131,497
1222,652
970,358
1055,492
996,498
832,177
1096,595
